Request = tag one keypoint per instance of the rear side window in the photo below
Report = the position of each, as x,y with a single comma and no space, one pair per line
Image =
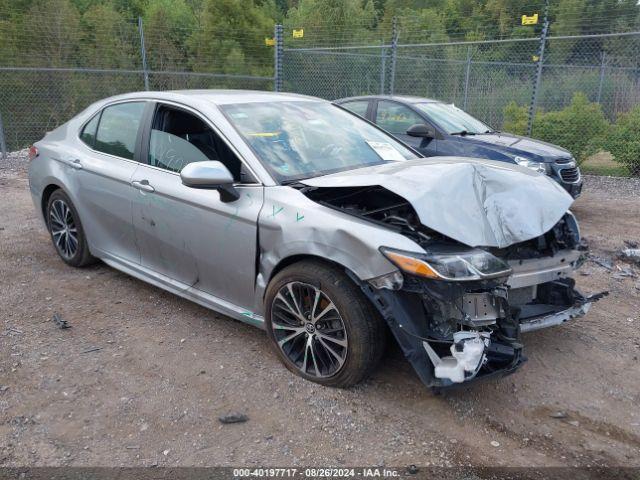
118,129
359,107
88,134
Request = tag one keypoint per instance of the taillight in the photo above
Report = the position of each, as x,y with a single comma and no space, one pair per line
33,152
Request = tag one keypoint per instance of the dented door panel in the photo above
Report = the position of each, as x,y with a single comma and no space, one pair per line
193,237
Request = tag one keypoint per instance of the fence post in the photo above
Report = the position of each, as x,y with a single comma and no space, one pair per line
536,85
603,66
394,52
3,143
277,59
383,68
143,54
466,78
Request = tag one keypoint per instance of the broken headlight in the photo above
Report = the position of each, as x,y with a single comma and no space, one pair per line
540,167
462,265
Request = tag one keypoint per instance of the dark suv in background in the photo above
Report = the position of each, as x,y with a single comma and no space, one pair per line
436,128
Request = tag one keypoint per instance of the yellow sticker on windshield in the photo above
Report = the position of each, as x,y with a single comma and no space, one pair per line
264,134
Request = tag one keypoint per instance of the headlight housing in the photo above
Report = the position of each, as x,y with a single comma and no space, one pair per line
458,265
540,167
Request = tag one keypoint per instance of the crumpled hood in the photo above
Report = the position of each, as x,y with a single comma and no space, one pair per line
476,202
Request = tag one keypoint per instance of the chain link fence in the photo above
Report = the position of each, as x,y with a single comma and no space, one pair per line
482,77
508,83
579,91
49,76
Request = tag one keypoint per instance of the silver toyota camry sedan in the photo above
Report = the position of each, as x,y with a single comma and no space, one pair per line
294,215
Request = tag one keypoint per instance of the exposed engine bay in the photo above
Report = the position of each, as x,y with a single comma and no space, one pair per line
458,312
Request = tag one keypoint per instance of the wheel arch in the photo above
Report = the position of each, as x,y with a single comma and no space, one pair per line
296,258
44,199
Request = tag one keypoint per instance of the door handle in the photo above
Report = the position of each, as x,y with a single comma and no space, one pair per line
143,185
75,163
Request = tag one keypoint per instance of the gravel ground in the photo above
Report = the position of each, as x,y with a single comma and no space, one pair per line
142,376
613,187
15,162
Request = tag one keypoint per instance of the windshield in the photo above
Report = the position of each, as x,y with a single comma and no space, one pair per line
453,120
302,139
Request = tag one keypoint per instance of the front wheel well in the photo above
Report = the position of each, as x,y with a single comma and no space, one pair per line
285,262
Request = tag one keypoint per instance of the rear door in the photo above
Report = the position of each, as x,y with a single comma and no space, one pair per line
396,119
187,234
104,174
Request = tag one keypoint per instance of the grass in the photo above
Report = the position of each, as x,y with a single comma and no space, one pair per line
602,163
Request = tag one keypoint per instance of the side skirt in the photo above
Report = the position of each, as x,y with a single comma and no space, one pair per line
183,290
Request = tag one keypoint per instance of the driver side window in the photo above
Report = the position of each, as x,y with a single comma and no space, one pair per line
395,118
179,137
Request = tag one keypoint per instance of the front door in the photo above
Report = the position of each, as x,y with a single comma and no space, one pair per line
188,234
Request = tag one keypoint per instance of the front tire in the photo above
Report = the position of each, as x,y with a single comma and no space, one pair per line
322,326
66,231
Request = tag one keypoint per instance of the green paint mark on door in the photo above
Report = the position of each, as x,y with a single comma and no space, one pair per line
276,211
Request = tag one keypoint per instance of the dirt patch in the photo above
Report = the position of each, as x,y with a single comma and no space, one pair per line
142,376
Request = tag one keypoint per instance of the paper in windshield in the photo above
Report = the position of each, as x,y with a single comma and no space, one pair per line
386,151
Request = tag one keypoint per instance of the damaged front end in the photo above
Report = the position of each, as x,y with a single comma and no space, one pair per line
458,312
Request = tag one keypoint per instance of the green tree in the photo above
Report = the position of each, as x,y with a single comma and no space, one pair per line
623,141
168,26
107,39
515,118
581,127
231,37
329,22
56,44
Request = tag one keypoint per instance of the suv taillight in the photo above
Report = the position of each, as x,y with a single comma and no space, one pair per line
33,152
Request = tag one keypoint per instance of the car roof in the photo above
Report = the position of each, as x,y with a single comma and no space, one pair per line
397,98
219,97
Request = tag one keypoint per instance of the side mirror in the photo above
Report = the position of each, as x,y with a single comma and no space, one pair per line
210,175
421,130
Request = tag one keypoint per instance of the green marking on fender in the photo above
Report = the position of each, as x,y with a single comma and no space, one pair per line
275,212
247,314
299,217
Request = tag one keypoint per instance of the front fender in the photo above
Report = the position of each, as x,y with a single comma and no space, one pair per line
290,224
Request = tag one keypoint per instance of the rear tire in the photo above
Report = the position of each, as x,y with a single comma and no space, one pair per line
322,326
66,231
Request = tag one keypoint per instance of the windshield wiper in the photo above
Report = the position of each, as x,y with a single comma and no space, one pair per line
293,181
462,133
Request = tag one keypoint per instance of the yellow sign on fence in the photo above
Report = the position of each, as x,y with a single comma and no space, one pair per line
299,33
270,42
532,20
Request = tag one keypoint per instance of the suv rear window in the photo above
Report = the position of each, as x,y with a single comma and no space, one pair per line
118,129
